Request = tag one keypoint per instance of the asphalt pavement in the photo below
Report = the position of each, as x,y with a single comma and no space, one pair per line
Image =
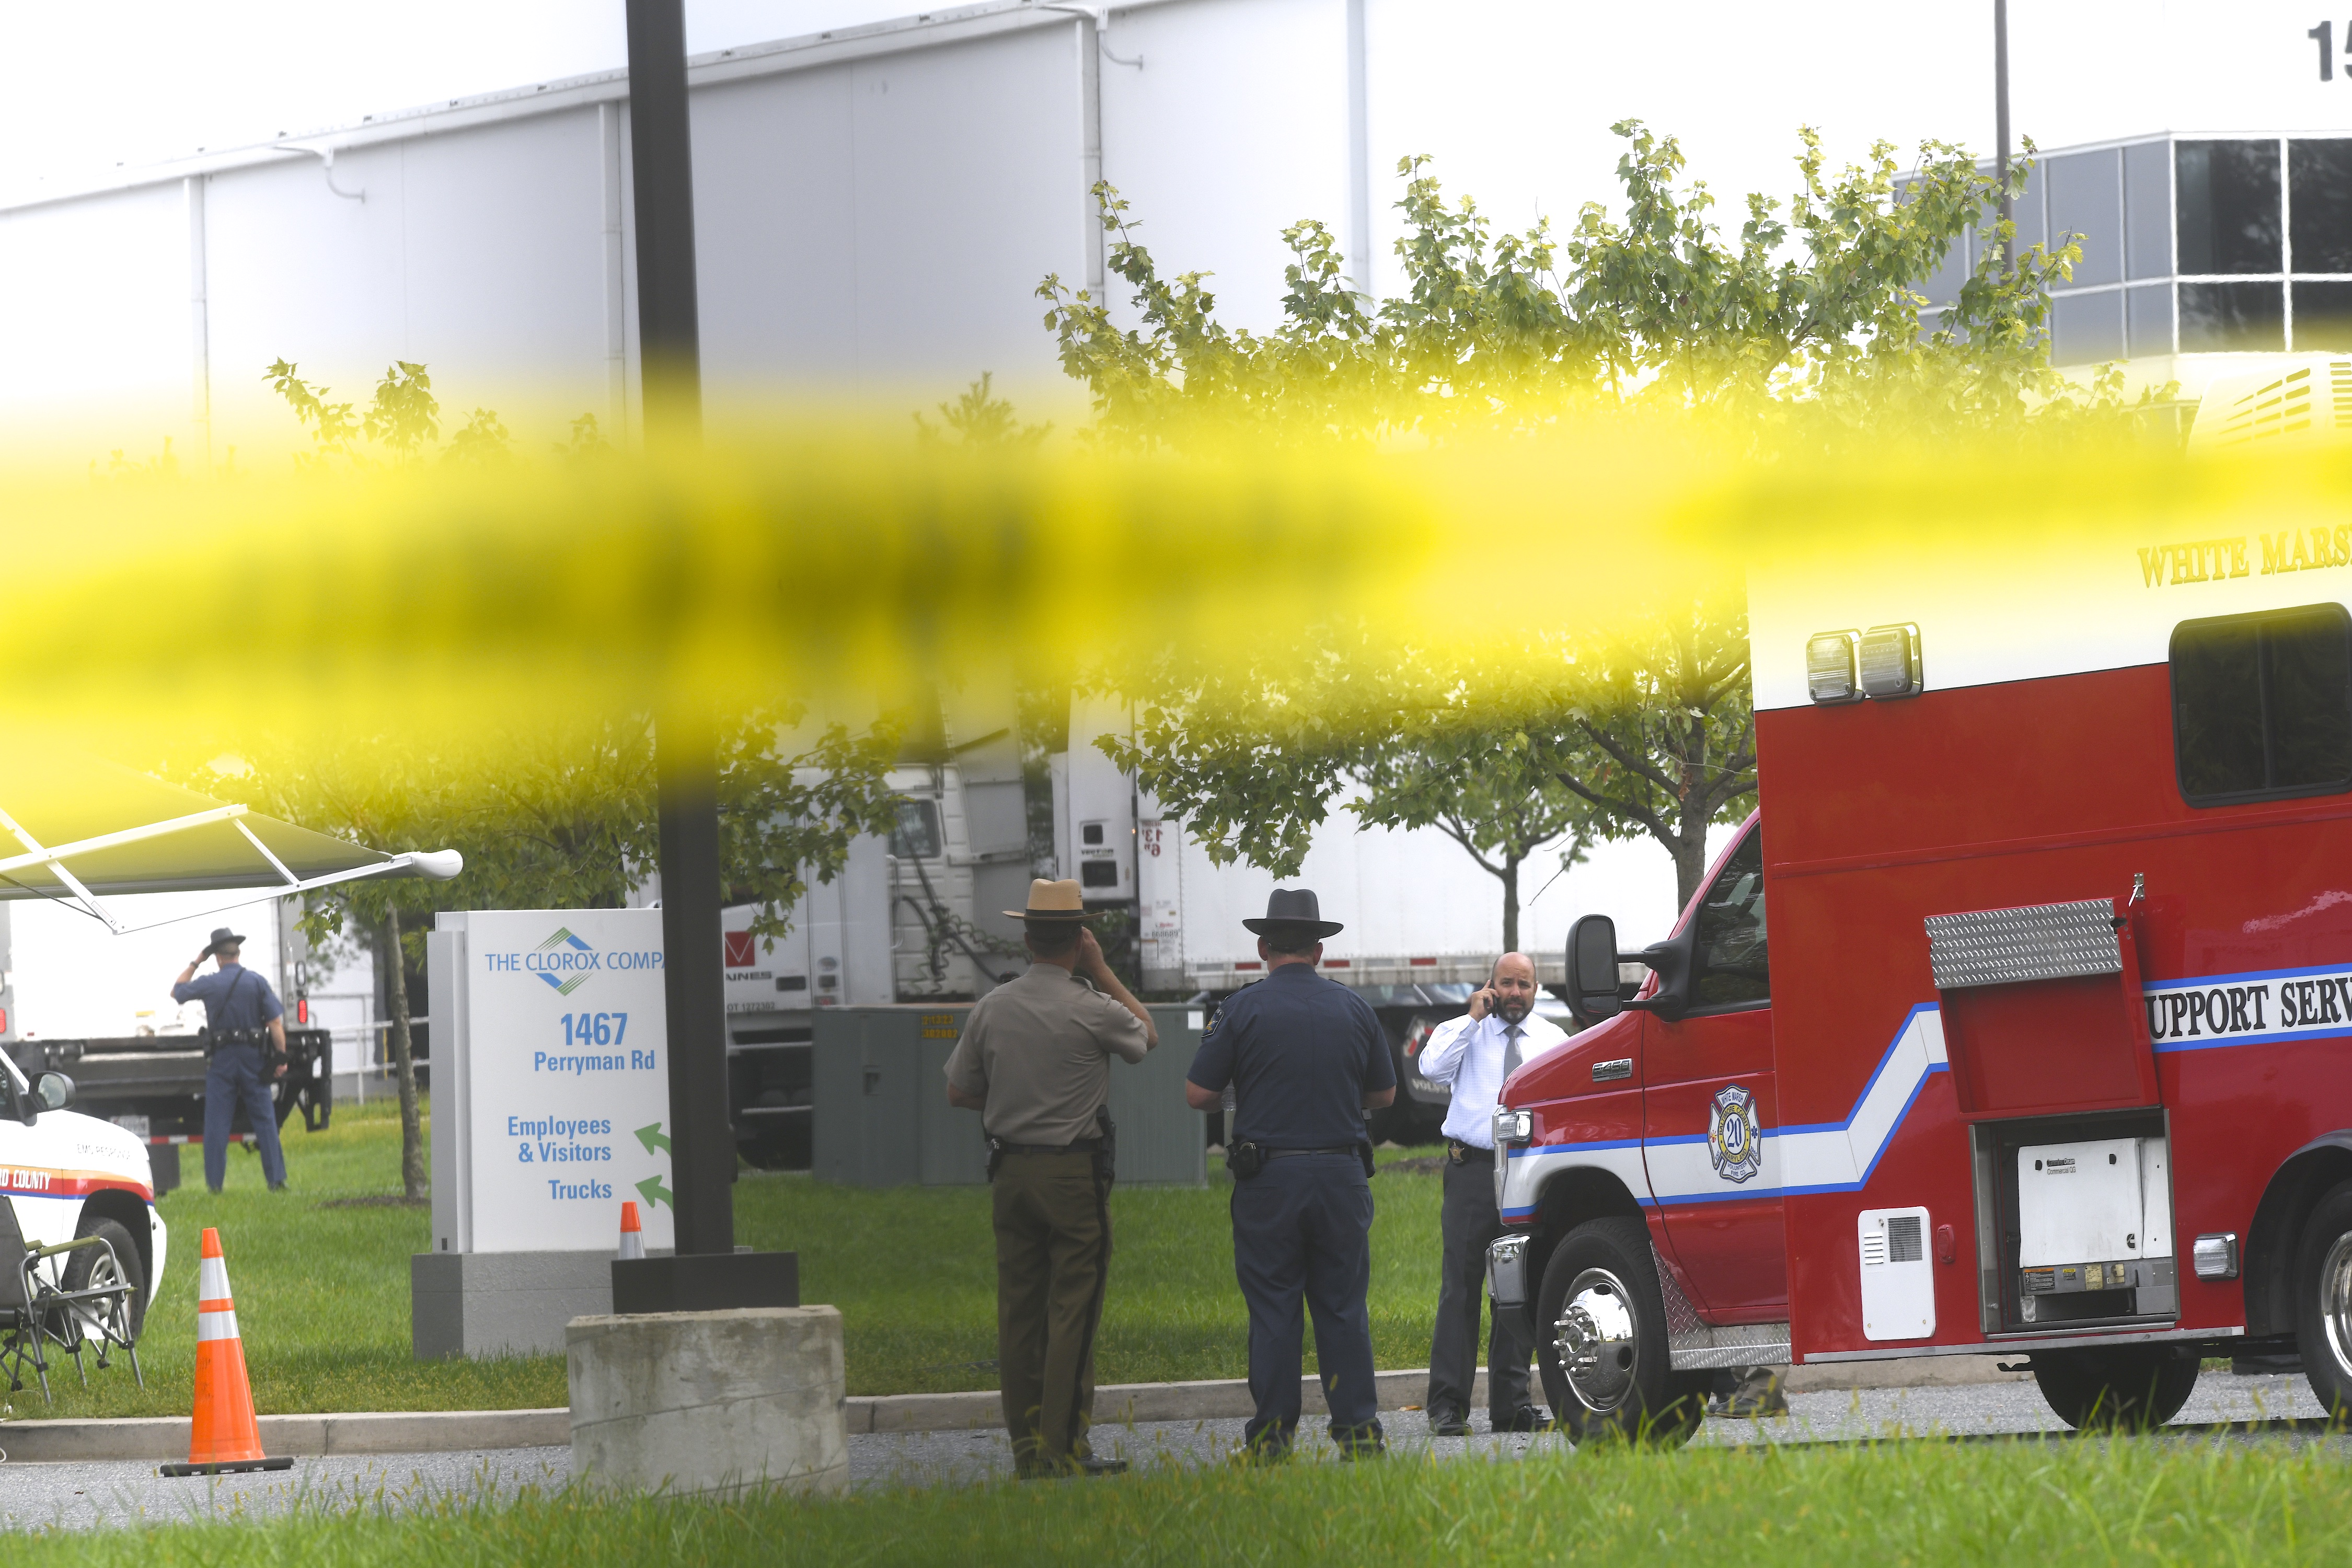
92,1495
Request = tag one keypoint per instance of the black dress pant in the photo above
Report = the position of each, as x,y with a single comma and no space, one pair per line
1302,1229
1470,1220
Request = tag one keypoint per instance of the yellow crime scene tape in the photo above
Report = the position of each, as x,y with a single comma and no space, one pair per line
155,617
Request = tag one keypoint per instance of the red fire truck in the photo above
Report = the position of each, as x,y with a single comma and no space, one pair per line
2050,1051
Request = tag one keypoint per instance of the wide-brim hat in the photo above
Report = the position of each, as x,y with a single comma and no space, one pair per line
1053,901
1294,908
224,937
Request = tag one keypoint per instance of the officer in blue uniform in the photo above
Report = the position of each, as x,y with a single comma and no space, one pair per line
1306,1057
246,1032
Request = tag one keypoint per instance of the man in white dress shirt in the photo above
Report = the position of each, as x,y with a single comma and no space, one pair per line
1475,1053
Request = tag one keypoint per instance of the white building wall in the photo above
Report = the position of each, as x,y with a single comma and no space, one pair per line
876,204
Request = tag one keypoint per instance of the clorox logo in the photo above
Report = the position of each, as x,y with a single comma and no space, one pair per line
553,961
565,961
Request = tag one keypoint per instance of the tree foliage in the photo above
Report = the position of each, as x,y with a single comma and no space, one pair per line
567,818
1801,329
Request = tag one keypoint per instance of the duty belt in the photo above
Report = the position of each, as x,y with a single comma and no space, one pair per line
1468,1153
1080,1146
1287,1154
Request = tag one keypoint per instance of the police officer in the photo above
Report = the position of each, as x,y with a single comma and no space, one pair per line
1034,1061
1474,1053
246,1030
1306,1058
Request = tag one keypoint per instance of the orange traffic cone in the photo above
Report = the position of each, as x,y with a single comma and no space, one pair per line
633,1235
224,1434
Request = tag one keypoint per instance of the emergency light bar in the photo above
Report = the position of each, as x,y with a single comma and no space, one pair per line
1829,667
1881,664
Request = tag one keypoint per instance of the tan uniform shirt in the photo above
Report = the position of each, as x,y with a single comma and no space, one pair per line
1039,1048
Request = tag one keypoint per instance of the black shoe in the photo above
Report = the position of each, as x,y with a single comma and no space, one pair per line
1370,1448
1528,1418
1057,1469
1448,1423
1261,1456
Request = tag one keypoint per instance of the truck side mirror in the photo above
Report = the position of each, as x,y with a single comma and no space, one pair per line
1592,970
55,1092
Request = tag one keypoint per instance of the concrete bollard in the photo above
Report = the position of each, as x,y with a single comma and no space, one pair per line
709,1403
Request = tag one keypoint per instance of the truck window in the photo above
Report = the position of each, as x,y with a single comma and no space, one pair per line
917,833
1730,950
2262,705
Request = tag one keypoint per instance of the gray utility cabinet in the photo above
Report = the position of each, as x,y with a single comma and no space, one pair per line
881,1114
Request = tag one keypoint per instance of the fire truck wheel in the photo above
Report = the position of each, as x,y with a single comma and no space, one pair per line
1600,1340
2116,1387
2323,1297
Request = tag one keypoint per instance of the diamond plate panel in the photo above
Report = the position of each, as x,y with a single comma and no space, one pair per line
1696,1346
2038,941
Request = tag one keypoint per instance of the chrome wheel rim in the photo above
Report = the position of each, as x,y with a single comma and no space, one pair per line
2335,1303
1595,1340
105,1273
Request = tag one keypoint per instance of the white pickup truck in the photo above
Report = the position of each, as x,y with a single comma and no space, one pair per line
69,1175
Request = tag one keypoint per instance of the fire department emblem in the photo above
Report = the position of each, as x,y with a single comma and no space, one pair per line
1733,1139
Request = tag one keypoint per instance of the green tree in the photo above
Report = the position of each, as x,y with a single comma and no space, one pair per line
1800,330
1500,802
563,819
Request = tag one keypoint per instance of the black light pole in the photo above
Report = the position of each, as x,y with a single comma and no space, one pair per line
707,1273
2001,128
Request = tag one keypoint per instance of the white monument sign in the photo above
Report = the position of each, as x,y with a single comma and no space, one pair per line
550,1067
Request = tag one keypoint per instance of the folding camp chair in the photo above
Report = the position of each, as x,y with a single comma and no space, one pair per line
34,1309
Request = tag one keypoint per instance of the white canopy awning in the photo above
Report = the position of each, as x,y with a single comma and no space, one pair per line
84,830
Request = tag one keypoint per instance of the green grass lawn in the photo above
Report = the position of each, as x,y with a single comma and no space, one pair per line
322,1285
2066,1501
914,1272
321,1292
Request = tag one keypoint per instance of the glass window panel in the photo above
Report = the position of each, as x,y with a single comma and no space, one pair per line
2087,201
2148,210
2262,704
2320,186
2228,206
2309,711
2217,708
2148,315
1731,953
2217,317
2322,317
2086,328
917,833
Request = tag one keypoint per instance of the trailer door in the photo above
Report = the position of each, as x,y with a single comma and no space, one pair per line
1708,1103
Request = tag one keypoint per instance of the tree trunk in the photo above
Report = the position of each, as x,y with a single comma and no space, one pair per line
412,1129
1511,904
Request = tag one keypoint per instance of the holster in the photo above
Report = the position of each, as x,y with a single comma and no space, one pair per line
996,1157
1244,1160
1107,1157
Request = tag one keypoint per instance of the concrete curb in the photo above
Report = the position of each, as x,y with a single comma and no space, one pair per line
1117,1403
367,1432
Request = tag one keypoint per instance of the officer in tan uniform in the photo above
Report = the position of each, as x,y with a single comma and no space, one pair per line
1034,1061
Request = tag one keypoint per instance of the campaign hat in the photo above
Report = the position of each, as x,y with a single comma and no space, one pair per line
1053,901
1294,908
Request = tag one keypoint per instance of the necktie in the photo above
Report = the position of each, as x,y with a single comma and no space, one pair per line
1511,1050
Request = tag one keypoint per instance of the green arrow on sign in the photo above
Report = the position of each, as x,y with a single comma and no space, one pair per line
655,1192
651,1137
